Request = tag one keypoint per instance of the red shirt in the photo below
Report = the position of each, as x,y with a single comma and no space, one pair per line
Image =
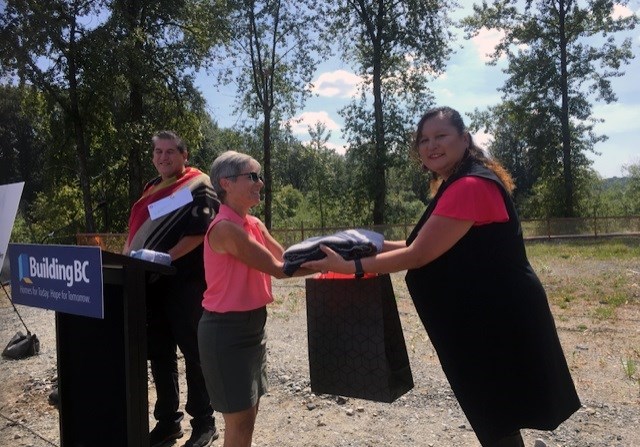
473,198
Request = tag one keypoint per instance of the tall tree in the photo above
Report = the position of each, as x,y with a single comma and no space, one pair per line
158,46
527,142
632,189
21,146
397,46
561,56
272,58
528,152
43,44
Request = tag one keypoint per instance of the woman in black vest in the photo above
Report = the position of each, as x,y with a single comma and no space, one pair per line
480,301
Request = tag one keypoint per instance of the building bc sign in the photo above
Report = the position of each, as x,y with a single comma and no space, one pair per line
58,277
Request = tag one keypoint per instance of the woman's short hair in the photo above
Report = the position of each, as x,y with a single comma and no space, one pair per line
227,164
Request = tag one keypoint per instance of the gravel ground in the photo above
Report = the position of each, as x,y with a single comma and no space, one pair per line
291,415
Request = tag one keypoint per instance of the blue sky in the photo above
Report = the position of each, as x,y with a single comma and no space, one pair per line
467,84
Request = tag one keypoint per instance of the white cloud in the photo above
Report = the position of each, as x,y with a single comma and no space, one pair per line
620,11
482,139
338,83
613,155
445,93
621,126
339,148
300,124
618,118
486,41
469,83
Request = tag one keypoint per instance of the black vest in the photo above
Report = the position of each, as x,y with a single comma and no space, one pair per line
487,250
488,319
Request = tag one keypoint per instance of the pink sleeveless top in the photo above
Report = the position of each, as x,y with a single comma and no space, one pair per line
233,286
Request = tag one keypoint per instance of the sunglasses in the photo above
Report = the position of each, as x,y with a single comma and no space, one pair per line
254,176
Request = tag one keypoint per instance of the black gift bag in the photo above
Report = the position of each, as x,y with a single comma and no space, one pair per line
356,344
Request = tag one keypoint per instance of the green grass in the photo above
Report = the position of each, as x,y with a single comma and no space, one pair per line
601,249
586,278
592,277
287,300
630,369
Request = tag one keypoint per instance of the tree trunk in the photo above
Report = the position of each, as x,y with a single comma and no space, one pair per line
79,137
566,131
136,122
266,150
136,143
379,155
83,171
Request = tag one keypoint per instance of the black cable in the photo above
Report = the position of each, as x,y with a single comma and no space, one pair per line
30,430
14,308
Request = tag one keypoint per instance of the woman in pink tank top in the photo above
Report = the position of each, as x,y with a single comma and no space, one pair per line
240,256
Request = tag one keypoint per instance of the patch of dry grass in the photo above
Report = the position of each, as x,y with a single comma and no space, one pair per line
592,277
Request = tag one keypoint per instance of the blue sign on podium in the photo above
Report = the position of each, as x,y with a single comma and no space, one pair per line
64,278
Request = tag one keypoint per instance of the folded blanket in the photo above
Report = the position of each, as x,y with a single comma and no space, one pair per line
350,244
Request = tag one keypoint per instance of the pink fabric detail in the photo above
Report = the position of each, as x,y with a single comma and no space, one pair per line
233,286
473,198
140,209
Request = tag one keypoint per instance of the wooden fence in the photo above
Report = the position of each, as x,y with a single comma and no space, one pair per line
533,229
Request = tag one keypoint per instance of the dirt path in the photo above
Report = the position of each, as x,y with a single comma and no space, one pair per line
290,415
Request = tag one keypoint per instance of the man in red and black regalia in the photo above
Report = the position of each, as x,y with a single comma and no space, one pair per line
183,204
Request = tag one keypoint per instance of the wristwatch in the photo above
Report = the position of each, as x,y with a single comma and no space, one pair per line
359,271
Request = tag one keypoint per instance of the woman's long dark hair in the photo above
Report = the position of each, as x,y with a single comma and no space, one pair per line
473,151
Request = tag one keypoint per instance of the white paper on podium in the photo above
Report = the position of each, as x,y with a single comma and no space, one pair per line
164,206
9,200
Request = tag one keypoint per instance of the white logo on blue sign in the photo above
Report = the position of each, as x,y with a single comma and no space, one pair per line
51,268
23,269
57,277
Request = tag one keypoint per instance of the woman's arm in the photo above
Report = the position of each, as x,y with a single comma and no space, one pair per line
436,237
272,244
228,237
277,251
393,245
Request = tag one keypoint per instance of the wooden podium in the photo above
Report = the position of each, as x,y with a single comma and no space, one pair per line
102,364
